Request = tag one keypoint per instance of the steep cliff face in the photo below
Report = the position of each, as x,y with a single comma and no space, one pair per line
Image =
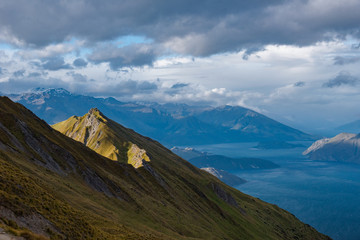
344,147
54,187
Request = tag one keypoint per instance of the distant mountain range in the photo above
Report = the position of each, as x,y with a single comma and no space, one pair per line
231,164
218,165
352,127
277,145
228,178
188,152
208,160
344,147
171,124
53,187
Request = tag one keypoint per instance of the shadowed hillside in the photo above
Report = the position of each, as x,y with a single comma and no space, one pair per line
55,187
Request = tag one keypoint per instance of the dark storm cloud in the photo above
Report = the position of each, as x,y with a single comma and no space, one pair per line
338,60
198,28
80,62
251,50
54,64
134,55
343,78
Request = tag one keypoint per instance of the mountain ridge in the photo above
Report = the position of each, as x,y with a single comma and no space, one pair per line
185,124
75,193
344,147
350,127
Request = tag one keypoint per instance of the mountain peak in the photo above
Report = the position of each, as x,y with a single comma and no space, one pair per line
101,134
52,91
94,112
343,147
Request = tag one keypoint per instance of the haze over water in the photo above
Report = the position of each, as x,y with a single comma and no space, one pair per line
322,194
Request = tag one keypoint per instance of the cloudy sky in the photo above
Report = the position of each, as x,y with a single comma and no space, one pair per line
294,60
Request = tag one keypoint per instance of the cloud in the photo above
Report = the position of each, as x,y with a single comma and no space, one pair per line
15,85
80,62
34,75
177,89
355,46
77,77
124,88
54,64
338,60
19,73
49,51
251,50
299,84
343,78
197,28
179,85
135,55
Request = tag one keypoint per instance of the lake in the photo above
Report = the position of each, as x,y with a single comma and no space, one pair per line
325,195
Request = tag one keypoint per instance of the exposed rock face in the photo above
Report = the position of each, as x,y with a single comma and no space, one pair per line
36,145
343,147
12,143
35,222
136,156
221,193
93,130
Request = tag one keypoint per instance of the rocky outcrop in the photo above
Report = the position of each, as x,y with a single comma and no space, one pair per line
136,156
34,222
221,193
94,130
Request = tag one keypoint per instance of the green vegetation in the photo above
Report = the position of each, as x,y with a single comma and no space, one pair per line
95,131
54,187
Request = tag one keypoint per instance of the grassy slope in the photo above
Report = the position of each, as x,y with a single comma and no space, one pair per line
94,130
184,207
